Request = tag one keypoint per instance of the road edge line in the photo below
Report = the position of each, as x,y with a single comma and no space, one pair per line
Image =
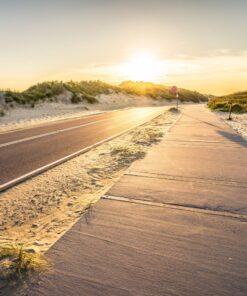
44,168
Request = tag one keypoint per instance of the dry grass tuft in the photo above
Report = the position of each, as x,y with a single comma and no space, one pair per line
16,261
148,136
174,110
128,153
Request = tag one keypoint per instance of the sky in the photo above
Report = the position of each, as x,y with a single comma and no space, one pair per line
197,44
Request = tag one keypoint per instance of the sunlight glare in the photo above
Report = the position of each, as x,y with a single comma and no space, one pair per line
142,67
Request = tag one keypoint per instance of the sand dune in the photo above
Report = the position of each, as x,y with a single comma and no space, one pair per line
21,117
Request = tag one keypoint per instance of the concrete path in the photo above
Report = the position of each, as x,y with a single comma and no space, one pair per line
175,224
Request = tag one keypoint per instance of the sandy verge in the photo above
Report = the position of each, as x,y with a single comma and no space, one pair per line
238,122
18,117
40,210
25,117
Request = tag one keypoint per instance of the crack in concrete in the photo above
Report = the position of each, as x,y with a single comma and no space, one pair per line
187,179
190,208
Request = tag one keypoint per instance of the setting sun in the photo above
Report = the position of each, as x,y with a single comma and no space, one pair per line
142,67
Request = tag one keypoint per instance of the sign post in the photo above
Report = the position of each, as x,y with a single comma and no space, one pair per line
174,91
230,111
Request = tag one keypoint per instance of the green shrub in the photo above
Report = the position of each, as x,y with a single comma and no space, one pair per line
238,108
2,113
12,96
238,102
90,99
174,110
78,98
221,106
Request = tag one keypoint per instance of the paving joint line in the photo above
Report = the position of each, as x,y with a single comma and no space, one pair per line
203,141
241,217
185,179
203,145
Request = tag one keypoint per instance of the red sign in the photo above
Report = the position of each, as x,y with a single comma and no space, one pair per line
174,90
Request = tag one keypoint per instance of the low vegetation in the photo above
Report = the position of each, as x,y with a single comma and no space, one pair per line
237,101
158,91
2,113
34,94
148,137
48,91
128,154
16,261
82,97
87,91
92,88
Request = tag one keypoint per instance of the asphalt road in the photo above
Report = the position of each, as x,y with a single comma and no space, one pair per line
27,150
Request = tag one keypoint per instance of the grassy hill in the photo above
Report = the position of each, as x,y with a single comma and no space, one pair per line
237,100
48,91
87,91
158,91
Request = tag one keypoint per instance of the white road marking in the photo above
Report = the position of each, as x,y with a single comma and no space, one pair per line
53,133
50,133
44,168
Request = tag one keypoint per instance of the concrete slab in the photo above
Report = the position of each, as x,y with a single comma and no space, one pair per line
196,162
212,195
198,122
129,249
200,145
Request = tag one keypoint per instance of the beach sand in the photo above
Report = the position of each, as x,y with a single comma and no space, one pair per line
238,122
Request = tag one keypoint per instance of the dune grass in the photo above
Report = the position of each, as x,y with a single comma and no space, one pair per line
236,101
86,91
158,91
80,97
47,91
34,94
91,88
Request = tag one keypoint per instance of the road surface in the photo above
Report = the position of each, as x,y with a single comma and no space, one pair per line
29,151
